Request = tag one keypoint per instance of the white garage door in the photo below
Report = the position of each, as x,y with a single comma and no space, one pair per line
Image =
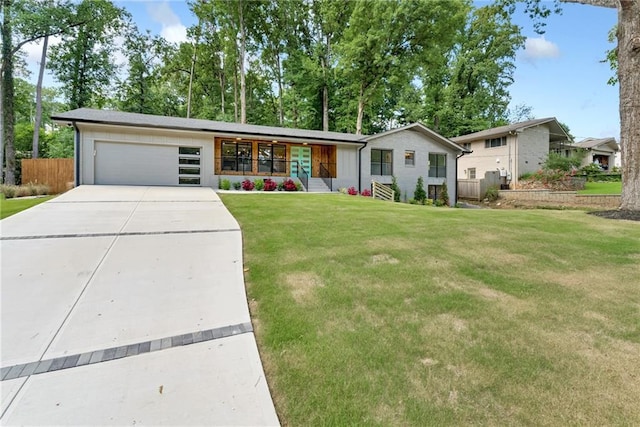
144,164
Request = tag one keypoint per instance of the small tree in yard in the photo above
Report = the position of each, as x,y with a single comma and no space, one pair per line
395,188
444,194
420,195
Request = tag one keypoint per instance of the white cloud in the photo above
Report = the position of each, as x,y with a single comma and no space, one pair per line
34,50
539,47
172,29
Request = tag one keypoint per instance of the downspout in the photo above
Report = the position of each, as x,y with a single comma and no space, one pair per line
455,190
77,154
360,167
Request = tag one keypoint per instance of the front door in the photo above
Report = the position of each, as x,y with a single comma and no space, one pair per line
302,155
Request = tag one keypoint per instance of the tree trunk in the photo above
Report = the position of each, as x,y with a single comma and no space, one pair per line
7,96
280,94
193,67
325,85
235,94
629,83
629,80
360,111
222,83
243,46
38,121
222,92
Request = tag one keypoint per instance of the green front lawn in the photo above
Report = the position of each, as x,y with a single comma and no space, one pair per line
9,207
373,313
602,188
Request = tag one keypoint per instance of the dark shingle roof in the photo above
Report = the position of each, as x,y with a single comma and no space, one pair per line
88,115
514,127
595,142
419,127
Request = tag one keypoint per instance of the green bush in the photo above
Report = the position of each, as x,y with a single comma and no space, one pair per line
444,194
525,176
593,173
42,189
258,184
420,195
9,191
492,193
225,184
557,161
394,187
237,185
23,191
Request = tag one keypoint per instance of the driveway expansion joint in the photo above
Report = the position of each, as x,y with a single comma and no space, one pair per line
120,234
128,350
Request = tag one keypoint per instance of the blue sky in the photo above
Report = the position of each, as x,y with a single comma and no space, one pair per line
558,74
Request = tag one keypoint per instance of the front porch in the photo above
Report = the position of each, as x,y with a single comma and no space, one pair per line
313,164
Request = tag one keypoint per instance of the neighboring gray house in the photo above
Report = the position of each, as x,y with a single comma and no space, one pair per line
601,151
408,153
512,150
113,147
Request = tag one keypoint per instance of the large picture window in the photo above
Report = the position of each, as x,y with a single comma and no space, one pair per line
381,162
236,156
437,165
272,158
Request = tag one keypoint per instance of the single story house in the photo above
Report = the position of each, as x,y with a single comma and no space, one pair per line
113,147
600,151
512,150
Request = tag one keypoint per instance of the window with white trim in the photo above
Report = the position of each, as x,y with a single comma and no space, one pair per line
409,158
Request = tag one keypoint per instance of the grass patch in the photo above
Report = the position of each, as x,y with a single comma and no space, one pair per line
602,188
373,313
10,207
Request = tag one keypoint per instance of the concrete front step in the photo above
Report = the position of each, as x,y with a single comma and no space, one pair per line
317,185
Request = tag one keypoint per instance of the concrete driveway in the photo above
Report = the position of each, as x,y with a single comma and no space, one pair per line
126,305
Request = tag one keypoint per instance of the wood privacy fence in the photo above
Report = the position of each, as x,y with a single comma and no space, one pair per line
55,173
475,189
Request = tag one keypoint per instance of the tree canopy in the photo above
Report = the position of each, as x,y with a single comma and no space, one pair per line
360,66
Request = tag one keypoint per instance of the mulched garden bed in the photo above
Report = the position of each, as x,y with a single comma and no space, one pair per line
618,214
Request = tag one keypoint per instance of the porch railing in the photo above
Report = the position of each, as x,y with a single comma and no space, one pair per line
303,176
382,192
326,175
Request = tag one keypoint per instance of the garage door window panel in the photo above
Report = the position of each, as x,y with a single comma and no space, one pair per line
189,165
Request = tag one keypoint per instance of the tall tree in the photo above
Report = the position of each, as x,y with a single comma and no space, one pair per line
379,45
38,118
139,92
8,118
477,94
628,56
82,62
277,32
235,23
24,21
